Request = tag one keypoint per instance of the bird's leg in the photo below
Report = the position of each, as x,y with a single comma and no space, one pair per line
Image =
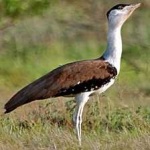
76,121
77,117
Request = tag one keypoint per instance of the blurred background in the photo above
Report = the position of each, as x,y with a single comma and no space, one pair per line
37,36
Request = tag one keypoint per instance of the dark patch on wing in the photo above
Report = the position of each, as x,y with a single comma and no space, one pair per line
69,79
88,85
85,86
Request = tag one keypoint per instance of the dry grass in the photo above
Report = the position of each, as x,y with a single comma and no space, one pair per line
119,120
48,125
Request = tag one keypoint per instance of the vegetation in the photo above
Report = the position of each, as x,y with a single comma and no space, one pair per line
37,36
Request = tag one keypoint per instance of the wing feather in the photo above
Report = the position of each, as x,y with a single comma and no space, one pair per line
61,79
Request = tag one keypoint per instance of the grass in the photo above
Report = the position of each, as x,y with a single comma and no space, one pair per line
34,45
104,127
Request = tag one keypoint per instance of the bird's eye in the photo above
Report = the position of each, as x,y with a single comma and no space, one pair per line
120,7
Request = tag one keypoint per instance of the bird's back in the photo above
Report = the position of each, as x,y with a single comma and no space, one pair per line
70,79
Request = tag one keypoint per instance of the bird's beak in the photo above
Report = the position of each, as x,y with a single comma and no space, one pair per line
132,7
135,6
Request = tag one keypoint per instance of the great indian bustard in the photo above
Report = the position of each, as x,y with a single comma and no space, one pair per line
82,78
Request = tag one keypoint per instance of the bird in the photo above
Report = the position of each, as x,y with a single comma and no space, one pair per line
81,79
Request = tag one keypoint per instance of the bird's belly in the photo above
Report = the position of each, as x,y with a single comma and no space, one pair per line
105,87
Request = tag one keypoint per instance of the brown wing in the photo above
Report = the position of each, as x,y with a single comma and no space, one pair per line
69,79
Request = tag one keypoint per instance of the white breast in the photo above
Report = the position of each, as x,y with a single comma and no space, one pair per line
105,87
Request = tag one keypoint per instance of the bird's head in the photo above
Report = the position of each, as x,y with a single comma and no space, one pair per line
118,14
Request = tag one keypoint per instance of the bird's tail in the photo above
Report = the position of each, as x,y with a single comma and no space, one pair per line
39,89
13,103
29,93
17,100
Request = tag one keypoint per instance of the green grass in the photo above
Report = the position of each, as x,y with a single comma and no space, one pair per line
104,126
66,32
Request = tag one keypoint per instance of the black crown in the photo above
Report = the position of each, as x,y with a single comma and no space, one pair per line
119,7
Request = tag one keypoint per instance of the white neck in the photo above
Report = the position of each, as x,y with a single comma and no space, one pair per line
114,47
